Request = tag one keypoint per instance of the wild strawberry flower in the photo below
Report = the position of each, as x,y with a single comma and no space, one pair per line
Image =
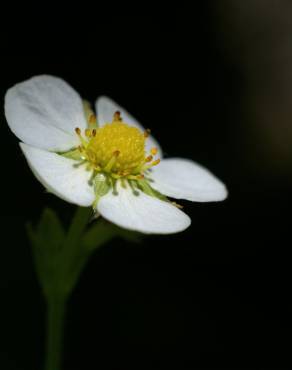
113,165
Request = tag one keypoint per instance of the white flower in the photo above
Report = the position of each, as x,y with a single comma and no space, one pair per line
115,166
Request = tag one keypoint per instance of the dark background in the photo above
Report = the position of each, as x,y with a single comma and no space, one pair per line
214,84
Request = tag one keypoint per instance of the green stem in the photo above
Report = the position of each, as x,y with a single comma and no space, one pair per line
55,327
60,265
56,301
78,224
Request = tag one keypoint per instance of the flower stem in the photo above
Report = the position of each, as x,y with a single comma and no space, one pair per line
56,300
55,326
78,224
60,256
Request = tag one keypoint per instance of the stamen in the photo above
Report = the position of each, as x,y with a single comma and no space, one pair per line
124,173
90,181
114,186
92,119
136,177
148,159
179,206
91,156
123,183
117,150
133,188
77,165
149,179
78,132
116,176
147,133
112,161
89,114
97,167
154,163
117,116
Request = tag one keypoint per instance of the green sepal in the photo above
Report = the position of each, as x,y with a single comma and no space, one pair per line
147,189
101,185
72,154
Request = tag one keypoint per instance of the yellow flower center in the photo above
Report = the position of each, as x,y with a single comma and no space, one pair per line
125,143
117,149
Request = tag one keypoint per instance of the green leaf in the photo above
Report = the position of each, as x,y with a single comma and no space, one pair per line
46,239
50,230
60,256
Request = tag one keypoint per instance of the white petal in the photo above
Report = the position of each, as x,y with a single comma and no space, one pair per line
44,111
59,176
142,212
106,107
184,179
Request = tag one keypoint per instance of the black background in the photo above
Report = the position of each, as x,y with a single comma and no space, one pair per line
215,296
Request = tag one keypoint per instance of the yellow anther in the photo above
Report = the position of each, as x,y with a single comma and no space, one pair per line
92,119
135,177
156,162
147,133
148,159
116,175
88,132
83,141
177,205
117,117
89,114
154,151
116,153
